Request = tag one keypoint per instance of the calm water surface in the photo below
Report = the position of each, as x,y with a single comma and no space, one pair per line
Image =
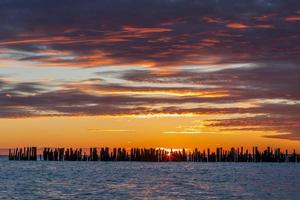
140,180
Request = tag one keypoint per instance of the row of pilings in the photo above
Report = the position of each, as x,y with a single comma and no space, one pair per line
28,153
154,155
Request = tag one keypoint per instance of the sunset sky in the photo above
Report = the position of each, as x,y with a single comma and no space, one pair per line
141,73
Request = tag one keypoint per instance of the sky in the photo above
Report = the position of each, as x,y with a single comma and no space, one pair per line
151,73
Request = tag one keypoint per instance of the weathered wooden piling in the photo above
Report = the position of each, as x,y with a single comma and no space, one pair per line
29,153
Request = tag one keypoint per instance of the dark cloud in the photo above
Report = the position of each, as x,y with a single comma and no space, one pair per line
155,32
10,88
280,118
264,81
290,136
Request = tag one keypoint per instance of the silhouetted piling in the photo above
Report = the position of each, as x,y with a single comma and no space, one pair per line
29,153
155,155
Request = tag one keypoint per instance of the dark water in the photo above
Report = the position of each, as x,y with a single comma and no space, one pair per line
133,180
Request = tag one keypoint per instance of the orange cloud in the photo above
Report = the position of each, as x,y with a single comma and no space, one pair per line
145,30
236,25
292,18
244,26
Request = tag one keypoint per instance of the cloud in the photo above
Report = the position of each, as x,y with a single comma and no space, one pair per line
293,18
93,33
236,25
290,136
192,58
268,92
263,81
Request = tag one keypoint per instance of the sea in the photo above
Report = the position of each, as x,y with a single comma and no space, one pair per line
147,180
